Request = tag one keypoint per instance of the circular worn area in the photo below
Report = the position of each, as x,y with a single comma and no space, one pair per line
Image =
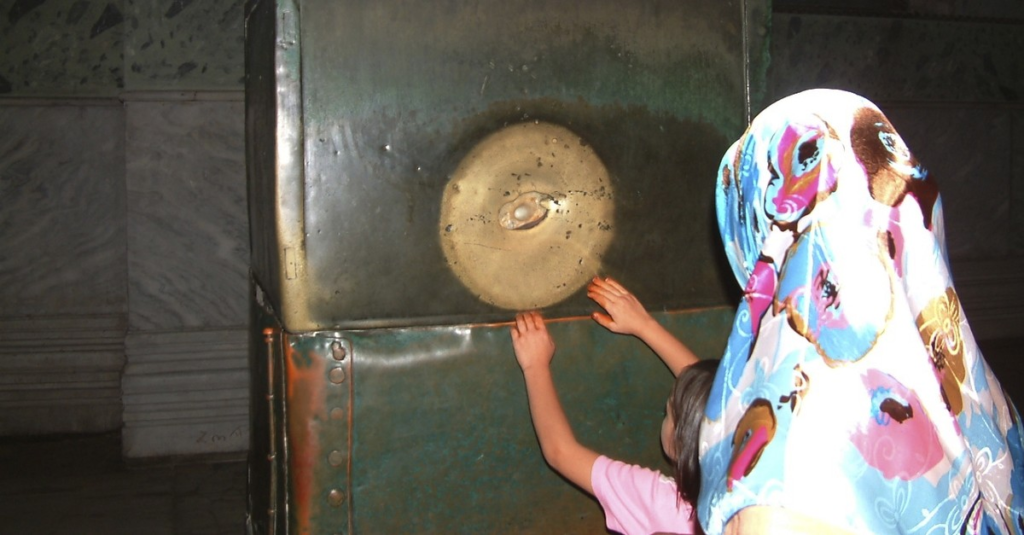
527,216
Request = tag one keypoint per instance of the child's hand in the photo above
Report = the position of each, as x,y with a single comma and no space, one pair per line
625,313
531,341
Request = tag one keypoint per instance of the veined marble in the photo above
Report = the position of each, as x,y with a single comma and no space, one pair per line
188,242
62,210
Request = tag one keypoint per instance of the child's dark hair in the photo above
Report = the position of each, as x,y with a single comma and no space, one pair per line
687,402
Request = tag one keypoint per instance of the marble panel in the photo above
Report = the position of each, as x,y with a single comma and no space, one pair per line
897,59
61,47
967,150
62,210
182,44
188,243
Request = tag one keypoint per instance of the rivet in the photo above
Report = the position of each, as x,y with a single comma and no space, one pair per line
337,375
336,458
338,351
337,413
335,497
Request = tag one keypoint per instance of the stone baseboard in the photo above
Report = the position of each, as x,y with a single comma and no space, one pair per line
61,374
186,393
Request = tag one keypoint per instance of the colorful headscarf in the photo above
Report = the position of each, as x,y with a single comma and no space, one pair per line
852,390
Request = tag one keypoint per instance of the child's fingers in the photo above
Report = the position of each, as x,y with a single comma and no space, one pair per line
537,321
605,293
599,284
614,284
603,320
521,324
609,301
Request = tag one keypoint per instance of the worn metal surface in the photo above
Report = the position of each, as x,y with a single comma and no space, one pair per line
359,113
427,430
385,398
527,216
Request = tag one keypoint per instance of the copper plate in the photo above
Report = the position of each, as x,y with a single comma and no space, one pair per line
527,216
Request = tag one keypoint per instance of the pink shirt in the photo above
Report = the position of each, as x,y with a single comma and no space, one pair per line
638,500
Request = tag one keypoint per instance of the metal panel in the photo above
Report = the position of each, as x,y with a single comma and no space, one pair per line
427,430
385,399
348,179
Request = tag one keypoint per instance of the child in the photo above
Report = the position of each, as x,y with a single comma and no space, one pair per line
635,500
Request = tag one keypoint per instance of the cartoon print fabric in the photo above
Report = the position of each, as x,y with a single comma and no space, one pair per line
852,389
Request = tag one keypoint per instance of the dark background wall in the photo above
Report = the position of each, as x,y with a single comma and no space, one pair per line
124,267
950,77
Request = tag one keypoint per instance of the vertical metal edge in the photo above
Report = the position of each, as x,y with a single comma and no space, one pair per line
268,334
289,163
283,519
263,482
757,16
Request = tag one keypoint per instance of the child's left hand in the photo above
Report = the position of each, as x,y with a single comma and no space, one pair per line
625,313
532,341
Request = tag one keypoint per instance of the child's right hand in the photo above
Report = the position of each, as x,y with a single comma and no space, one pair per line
531,341
625,313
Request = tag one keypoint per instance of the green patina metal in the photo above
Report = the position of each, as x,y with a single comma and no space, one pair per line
429,431
386,397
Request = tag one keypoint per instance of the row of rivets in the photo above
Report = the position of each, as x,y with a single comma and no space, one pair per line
336,458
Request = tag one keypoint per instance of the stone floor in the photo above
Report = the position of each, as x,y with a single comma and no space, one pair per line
80,484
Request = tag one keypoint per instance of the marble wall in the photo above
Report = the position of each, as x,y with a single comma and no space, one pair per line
122,188
62,269
185,380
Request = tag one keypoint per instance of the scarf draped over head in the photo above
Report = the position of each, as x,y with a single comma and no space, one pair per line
851,390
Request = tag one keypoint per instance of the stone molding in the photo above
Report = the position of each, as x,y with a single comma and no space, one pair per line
61,373
186,392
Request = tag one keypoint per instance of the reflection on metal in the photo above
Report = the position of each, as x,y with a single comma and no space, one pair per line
338,351
274,154
550,188
318,395
336,498
526,211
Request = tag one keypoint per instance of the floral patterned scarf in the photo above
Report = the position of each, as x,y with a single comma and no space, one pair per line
852,390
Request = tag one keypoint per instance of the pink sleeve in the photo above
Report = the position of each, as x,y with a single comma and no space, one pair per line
638,500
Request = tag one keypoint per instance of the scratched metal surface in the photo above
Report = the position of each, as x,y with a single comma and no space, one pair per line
427,429
384,399
358,113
